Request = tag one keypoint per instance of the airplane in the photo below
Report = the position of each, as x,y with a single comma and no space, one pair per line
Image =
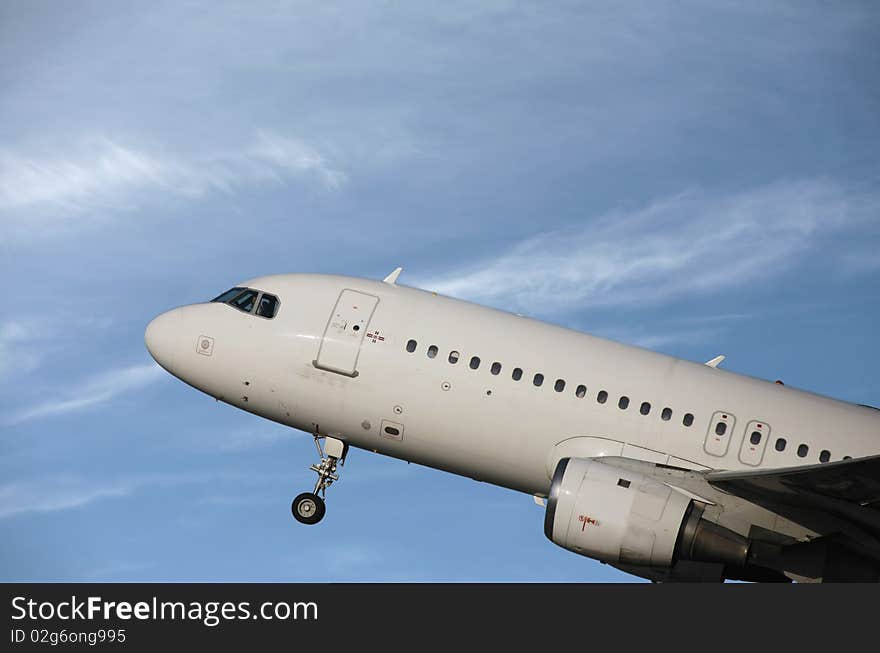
667,469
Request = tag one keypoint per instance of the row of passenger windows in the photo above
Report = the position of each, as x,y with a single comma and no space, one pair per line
246,299
559,384
781,443
602,397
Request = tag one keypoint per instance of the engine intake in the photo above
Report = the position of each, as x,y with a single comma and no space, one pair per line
619,516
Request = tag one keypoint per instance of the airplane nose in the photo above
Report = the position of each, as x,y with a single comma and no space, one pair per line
162,335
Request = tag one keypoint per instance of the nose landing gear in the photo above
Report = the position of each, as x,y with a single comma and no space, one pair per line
308,507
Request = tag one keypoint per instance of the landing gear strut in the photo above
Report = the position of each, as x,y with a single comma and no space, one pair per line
308,507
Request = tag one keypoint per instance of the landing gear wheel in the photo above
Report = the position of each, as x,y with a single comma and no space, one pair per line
307,508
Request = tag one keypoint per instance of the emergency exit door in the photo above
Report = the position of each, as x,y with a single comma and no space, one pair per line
719,433
348,323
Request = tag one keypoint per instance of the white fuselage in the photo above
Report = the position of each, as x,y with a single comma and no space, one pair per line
477,423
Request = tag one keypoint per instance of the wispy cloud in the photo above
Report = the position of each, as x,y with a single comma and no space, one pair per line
26,340
107,173
94,390
691,243
236,440
67,491
117,570
18,340
661,334
351,558
639,338
48,495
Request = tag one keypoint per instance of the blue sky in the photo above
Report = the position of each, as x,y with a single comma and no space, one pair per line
696,178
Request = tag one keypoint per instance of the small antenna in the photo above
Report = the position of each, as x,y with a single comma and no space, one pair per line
392,278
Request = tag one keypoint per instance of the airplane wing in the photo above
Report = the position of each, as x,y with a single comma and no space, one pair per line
837,504
847,488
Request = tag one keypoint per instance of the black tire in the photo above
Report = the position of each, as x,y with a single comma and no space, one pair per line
308,508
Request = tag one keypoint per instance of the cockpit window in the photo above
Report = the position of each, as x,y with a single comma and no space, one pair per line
229,294
245,301
267,306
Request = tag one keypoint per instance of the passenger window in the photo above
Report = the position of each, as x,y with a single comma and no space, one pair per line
780,444
245,301
803,450
602,397
824,456
721,428
267,306
432,351
688,419
755,437
538,380
496,368
559,386
454,356
475,362
666,415
411,346
517,374
645,408
623,404
581,392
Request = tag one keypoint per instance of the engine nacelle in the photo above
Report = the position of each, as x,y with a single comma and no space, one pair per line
620,516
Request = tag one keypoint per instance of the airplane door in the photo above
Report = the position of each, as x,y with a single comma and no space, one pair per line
754,442
719,433
341,343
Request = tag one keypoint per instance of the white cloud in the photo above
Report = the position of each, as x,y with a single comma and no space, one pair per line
659,340
277,153
73,183
94,390
683,245
250,438
66,491
117,570
660,334
48,495
350,557
20,349
105,173
27,341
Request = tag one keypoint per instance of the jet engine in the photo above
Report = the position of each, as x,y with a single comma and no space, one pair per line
619,516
